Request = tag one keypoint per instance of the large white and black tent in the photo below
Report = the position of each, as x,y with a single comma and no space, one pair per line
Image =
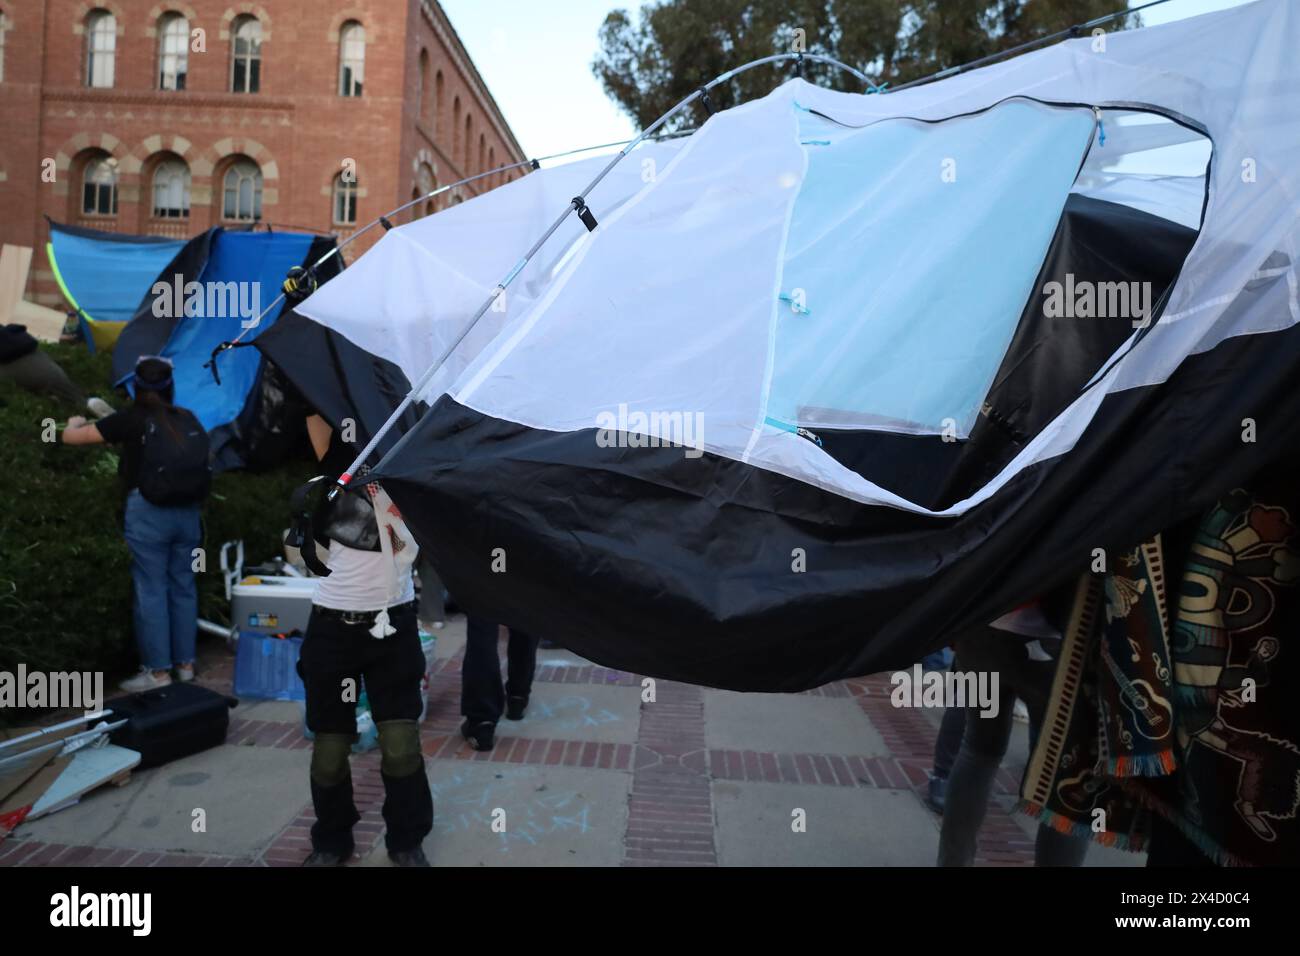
888,322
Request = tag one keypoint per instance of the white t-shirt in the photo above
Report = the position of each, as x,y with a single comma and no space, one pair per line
372,580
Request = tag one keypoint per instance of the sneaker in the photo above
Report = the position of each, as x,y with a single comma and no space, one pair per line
937,792
185,673
325,858
145,680
413,857
481,736
98,407
515,707
427,626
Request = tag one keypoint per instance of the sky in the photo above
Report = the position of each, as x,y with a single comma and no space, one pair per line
536,59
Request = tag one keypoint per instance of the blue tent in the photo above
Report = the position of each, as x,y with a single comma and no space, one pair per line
105,276
214,289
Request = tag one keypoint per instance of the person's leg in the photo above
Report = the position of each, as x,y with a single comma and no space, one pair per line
182,586
432,610
1033,684
331,677
521,665
482,695
947,744
148,540
393,672
983,745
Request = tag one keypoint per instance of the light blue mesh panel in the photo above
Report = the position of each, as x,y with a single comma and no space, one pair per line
912,251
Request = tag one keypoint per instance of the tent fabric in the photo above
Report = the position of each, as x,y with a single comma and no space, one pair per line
766,558
104,276
238,274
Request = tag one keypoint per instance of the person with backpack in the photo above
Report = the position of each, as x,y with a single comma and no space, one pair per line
164,465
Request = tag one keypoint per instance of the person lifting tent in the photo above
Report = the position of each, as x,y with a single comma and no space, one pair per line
363,628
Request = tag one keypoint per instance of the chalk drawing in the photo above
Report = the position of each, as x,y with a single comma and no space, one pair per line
465,806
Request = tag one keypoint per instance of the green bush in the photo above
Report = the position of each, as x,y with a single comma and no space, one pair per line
65,581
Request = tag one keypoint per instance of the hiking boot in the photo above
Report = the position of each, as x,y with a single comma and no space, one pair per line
326,858
145,680
412,857
481,735
515,707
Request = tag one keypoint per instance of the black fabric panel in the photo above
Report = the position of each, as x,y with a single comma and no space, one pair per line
337,378
1047,364
146,333
646,561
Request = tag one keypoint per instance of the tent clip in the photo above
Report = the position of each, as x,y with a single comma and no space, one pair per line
705,101
534,164
811,436
383,221
798,66
588,220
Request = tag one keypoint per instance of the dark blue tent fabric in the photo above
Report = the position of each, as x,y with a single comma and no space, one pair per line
258,262
108,275
218,282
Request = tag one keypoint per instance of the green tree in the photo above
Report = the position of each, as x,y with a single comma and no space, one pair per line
649,64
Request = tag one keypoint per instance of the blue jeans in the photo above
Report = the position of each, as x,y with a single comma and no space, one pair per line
166,602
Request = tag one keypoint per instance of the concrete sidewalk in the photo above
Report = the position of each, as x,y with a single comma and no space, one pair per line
593,777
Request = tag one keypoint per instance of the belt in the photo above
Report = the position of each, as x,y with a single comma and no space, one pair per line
357,617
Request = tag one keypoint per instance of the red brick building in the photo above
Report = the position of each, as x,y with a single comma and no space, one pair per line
161,117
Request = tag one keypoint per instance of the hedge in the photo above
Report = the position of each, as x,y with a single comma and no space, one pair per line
65,583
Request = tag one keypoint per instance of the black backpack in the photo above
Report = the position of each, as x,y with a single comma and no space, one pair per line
174,466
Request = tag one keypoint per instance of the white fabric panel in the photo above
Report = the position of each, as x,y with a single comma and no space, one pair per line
410,295
670,304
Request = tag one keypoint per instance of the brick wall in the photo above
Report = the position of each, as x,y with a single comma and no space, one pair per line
297,129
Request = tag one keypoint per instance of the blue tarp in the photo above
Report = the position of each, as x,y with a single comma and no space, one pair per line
105,276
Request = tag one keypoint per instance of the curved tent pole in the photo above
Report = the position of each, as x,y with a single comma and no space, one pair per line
339,247
578,205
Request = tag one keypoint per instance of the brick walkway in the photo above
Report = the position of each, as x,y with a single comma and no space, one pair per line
671,807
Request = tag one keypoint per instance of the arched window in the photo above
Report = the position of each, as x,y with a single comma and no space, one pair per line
99,187
171,190
469,141
425,183
242,192
455,128
101,48
437,102
422,98
173,51
345,200
246,55
482,154
352,58
492,164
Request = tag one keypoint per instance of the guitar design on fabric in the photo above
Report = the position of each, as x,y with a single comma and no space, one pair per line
1152,714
